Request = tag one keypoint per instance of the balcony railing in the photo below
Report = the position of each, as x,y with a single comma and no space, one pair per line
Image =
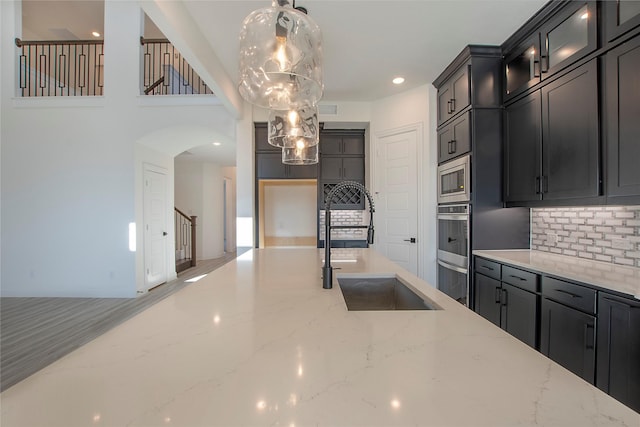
76,68
61,68
166,72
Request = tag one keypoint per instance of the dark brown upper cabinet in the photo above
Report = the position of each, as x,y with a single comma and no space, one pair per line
342,168
620,16
341,143
261,139
471,80
566,36
570,135
552,142
454,139
454,96
270,166
622,115
269,160
522,66
523,149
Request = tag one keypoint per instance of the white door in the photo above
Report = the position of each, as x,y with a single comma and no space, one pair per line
155,227
397,198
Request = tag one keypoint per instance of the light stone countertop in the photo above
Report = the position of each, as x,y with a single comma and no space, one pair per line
258,342
614,277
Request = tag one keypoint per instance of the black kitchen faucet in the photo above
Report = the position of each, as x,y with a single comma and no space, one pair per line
327,270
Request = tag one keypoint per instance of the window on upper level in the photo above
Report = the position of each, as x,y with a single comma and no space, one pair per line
61,50
165,71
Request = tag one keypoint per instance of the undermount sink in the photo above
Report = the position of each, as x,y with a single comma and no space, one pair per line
381,293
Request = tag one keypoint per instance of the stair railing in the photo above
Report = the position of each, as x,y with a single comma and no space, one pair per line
185,240
161,60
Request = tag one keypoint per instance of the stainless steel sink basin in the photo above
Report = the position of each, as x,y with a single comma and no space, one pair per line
381,293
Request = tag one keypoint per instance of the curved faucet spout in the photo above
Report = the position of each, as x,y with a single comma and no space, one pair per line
327,270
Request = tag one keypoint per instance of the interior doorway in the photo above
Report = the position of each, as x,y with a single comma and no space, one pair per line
155,226
396,197
287,214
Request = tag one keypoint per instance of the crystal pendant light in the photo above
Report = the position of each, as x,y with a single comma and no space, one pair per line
288,128
280,58
300,154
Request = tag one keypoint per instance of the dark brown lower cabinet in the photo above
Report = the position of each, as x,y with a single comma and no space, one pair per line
507,306
519,313
592,333
568,336
487,301
619,348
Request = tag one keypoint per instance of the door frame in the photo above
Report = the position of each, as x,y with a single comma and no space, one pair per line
418,128
169,247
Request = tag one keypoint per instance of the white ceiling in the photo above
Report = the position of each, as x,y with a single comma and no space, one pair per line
366,43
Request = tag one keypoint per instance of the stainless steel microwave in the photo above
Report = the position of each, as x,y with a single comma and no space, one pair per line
454,181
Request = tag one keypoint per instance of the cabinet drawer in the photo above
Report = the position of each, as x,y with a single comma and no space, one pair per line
569,294
488,268
520,278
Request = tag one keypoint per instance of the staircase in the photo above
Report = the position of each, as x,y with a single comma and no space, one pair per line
185,235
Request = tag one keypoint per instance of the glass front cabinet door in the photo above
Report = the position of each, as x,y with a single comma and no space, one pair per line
620,16
522,66
570,35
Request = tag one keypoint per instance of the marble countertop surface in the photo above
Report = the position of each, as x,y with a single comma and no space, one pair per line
607,276
259,342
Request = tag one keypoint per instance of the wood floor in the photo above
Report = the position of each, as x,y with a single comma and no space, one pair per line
35,332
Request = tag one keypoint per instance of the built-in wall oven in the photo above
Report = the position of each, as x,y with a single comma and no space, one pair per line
453,251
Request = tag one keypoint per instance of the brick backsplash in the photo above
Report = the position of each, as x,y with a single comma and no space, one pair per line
605,233
346,217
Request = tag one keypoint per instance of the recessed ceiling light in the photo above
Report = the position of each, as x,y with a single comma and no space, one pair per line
217,143
95,34
398,80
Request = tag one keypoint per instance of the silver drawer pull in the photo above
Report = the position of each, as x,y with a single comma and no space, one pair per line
519,278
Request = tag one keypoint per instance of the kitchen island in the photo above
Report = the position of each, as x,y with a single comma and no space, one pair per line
260,342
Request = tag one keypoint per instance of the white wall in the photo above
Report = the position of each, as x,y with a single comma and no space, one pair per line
199,192
290,210
229,174
245,185
71,168
212,224
410,108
